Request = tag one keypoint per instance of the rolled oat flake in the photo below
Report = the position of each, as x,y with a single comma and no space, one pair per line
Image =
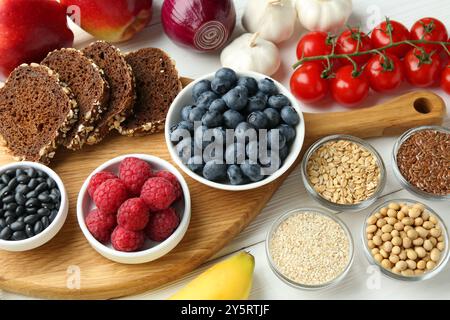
424,161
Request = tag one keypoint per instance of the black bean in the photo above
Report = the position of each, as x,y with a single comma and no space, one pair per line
49,205
17,226
31,194
33,202
29,230
20,198
31,219
5,191
10,220
8,199
3,223
12,184
33,183
53,215
11,206
42,174
51,183
10,214
6,233
23,178
45,222
44,197
31,210
4,206
20,219
2,213
19,172
19,235
31,172
41,187
2,185
43,212
5,178
38,227
22,188
20,210
56,192
11,172
40,180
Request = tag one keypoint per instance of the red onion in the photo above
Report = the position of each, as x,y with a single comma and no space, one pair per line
204,25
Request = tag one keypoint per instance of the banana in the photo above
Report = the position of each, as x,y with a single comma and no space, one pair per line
230,279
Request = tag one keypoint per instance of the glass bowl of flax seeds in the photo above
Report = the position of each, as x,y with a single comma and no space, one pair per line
421,162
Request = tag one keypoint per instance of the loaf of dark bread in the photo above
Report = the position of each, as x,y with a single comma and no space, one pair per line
120,77
157,85
90,88
36,111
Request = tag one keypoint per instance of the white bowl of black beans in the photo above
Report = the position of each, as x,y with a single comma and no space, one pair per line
33,205
284,115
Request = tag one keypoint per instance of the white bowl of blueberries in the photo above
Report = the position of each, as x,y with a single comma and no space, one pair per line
234,130
33,205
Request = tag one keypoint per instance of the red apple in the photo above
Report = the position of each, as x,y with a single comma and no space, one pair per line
29,30
113,21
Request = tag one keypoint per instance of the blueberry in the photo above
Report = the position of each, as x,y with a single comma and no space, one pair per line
232,118
258,119
200,87
235,153
185,112
273,117
252,151
218,105
249,83
284,152
245,132
197,113
255,104
227,74
267,86
252,171
216,135
215,171
235,175
199,140
272,161
279,101
290,116
206,98
262,96
185,149
221,85
212,119
195,164
287,131
236,98
181,130
281,139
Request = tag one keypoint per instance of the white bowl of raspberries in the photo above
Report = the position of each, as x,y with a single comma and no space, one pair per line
134,208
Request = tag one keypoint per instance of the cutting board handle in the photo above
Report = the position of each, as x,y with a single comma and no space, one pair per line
390,118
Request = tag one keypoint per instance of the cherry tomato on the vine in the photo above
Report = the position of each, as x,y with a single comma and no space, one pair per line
430,29
422,68
314,43
385,74
308,82
351,41
348,88
445,79
380,37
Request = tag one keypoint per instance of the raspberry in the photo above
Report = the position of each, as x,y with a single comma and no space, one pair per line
134,172
126,240
162,224
100,225
158,193
133,214
110,195
97,179
171,177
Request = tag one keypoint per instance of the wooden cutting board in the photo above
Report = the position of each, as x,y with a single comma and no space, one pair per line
217,216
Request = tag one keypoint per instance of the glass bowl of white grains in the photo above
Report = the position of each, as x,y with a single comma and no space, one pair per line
309,248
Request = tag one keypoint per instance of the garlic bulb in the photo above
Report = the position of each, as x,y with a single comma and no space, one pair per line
250,52
323,15
273,19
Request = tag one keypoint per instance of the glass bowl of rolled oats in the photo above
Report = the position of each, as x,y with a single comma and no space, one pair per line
343,173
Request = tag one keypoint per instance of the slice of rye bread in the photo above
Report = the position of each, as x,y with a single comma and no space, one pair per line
89,86
120,77
36,110
157,85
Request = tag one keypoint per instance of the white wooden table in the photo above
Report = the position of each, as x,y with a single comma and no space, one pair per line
361,282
